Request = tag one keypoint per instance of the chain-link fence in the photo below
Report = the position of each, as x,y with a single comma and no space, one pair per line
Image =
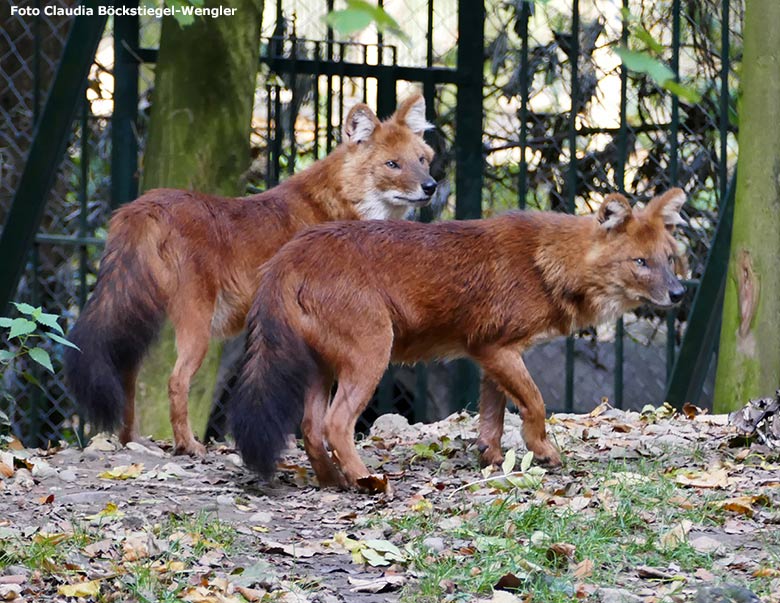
625,133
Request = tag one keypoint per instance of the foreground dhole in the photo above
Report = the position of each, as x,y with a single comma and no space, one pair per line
195,258
343,300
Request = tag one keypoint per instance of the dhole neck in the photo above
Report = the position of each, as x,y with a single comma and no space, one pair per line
324,187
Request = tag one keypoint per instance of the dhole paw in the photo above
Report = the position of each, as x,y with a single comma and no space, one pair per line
489,456
334,480
548,457
193,448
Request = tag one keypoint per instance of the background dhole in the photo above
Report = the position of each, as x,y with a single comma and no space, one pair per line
195,258
344,300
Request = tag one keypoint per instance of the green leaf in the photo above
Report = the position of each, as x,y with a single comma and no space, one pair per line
30,378
21,326
41,356
359,14
6,356
374,558
648,39
348,21
384,546
25,308
682,91
509,461
658,71
50,320
525,464
62,340
5,323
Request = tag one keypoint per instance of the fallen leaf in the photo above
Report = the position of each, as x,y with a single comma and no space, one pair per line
6,470
705,544
561,553
376,483
386,583
742,505
508,582
715,478
690,410
123,472
251,594
767,572
80,589
653,573
677,535
583,569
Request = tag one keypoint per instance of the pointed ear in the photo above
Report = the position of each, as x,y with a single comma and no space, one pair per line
668,206
359,124
411,113
614,212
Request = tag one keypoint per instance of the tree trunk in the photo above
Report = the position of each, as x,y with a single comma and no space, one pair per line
198,139
749,357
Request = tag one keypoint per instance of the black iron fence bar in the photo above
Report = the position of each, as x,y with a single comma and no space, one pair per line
522,176
574,53
621,177
674,152
469,156
724,97
83,211
124,144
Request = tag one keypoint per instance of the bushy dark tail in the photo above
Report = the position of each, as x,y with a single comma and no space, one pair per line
267,403
116,327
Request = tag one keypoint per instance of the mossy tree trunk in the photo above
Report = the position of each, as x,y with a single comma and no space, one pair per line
749,358
198,139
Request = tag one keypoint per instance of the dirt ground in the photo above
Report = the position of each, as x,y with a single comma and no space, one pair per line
285,544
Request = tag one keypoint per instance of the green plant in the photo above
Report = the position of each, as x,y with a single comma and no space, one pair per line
359,14
24,333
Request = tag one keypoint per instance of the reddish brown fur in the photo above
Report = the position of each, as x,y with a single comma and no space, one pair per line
195,257
362,295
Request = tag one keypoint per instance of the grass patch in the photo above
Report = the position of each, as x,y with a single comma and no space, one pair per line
553,544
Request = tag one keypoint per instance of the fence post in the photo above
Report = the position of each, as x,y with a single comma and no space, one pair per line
124,146
469,153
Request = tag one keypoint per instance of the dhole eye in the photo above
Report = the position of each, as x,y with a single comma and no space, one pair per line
422,160
393,165
642,262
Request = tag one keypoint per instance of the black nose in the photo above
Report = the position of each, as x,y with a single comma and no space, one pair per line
429,186
676,293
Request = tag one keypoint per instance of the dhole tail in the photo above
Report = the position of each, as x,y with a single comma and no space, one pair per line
268,402
117,325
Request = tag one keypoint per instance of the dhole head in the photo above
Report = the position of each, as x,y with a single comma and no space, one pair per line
389,161
638,253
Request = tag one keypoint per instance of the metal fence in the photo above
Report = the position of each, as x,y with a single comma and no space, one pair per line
563,124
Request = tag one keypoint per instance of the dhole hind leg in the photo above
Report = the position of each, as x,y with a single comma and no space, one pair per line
506,367
192,326
358,379
129,431
313,428
492,407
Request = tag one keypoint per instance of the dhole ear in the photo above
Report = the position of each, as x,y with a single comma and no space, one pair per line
359,124
668,206
614,211
411,114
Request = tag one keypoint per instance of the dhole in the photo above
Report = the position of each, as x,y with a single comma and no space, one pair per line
343,300
195,258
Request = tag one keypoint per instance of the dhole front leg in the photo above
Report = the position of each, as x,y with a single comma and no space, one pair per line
506,367
492,406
